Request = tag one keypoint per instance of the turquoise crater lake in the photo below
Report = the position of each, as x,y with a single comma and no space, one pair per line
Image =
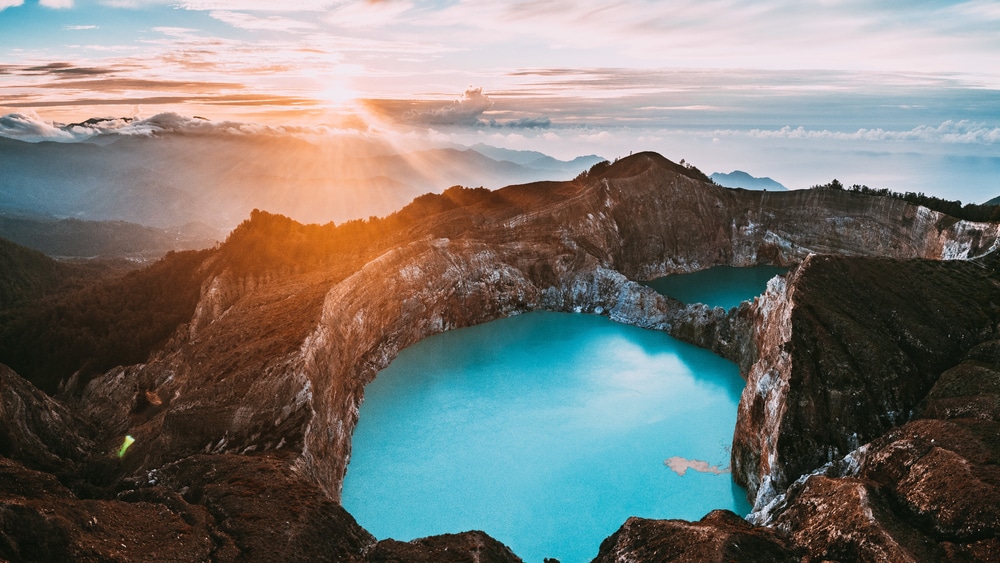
547,431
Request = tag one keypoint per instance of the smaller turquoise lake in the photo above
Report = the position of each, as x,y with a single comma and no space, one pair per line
547,431
721,286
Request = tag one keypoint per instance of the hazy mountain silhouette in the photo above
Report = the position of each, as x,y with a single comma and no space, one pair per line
77,238
538,160
217,179
740,179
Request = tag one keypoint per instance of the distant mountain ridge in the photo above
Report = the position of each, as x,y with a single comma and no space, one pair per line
27,274
538,160
83,239
257,352
741,179
218,178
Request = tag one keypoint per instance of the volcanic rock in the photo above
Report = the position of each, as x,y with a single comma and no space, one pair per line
847,348
259,392
467,547
719,536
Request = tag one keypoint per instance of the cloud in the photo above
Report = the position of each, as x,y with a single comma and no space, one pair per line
369,13
59,69
949,132
56,4
259,5
523,123
464,111
269,23
133,84
778,34
231,100
4,4
29,127
79,27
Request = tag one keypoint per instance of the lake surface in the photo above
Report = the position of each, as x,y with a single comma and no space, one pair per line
721,286
547,431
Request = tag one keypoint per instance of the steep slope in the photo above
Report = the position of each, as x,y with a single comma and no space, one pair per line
463,258
92,327
26,274
292,321
847,348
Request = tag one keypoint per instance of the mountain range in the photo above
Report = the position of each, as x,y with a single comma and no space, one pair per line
867,429
75,238
174,180
741,179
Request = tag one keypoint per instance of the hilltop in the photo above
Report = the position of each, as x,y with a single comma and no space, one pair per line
247,363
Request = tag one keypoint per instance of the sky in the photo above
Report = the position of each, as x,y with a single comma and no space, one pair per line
897,94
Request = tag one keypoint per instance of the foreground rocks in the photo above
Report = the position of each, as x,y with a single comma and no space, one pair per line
243,420
928,490
719,536
847,348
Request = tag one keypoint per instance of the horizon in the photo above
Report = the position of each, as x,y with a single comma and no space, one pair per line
902,98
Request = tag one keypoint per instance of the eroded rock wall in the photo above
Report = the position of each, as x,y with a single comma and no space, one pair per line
274,366
280,362
847,349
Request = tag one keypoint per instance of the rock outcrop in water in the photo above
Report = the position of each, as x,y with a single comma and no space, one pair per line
253,402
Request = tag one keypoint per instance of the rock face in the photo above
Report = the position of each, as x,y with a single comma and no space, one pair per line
562,247
719,536
467,547
928,490
255,399
847,349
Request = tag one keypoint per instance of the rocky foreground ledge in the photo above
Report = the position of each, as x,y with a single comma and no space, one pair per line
867,430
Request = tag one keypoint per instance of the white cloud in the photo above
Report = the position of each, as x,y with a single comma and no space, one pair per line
79,27
56,4
29,127
949,132
778,34
367,14
259,5
270,23
464,111
131,4
984,9
177,32
4,4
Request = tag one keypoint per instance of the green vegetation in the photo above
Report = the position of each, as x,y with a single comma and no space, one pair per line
624,167
101,325
73,237
969,211
27,274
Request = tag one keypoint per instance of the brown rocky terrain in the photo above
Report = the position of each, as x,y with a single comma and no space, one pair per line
243,419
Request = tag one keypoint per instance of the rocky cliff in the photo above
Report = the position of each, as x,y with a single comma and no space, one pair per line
271,369
847,349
